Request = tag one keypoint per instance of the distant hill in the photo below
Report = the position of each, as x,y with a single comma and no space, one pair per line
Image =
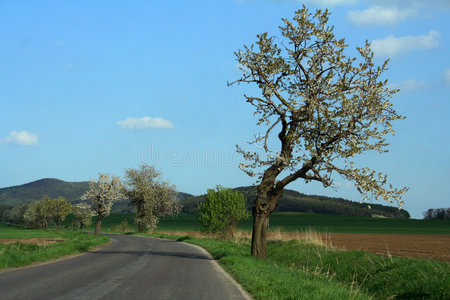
36,190
293,201
182,195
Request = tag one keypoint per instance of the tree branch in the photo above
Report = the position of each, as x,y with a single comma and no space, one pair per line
301,173
266,148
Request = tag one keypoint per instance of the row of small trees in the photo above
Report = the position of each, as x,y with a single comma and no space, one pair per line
151,197
437,214
42,213
39,214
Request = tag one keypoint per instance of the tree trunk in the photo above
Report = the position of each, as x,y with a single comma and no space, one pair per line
58,224
259,234
98,226
265,203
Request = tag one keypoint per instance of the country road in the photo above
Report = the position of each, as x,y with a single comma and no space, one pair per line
131,267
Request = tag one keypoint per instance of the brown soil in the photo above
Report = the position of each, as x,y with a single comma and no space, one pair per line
409,245
422,246
35,241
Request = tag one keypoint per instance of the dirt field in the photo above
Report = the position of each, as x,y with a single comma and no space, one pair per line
424,246
35,241
408,245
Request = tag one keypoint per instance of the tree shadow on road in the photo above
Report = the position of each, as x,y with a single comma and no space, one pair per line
157,253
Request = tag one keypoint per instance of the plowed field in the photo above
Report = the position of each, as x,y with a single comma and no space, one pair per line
408,245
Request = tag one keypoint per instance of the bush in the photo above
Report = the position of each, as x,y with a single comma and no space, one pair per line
222,210
121,227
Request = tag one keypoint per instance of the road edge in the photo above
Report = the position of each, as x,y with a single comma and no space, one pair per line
218,267
215,264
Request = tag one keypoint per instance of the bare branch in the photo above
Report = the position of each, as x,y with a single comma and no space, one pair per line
267,134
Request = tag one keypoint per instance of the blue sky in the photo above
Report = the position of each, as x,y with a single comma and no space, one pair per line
100,86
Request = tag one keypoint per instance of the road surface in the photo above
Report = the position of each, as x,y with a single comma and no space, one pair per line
131,267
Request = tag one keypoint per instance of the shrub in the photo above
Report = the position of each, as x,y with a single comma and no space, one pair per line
121,227
222,210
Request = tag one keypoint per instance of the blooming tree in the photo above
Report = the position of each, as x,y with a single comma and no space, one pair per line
59,209
101,195
151,196
30,215
38,213
82,214
320,106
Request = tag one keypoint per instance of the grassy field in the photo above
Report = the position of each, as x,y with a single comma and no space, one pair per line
338,224
21,254
292,222
300,270
14,232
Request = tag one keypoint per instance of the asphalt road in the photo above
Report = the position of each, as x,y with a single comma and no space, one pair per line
131,267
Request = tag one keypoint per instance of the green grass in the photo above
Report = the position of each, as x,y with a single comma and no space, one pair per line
15,232
297,270
293,222
381,276
21,254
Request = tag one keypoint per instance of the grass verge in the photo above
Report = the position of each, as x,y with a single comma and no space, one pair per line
21,254
301,270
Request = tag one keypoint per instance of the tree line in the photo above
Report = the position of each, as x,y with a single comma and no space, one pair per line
293,201
49,211
437,214
149,195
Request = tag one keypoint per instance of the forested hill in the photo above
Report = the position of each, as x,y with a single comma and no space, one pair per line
36,190
293,201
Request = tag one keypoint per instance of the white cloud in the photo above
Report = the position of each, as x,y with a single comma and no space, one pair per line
144,123
380,15
22,138
391,45
408,85
447,77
